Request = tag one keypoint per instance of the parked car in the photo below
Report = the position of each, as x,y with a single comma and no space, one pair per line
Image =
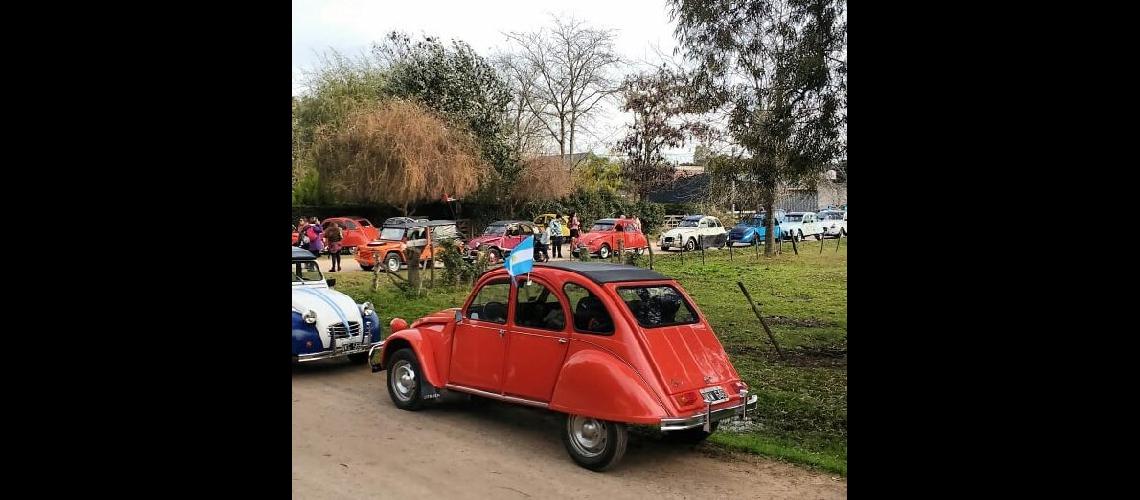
753,230
500,238
391,221
606,345
604,237
388,249
695,232
833,222
542,220
355,231
799,225
326,323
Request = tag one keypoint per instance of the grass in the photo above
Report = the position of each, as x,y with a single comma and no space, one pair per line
802,415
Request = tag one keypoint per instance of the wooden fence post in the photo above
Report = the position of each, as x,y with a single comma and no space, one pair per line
763,323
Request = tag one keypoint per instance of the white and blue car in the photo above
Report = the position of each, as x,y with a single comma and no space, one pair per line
326,323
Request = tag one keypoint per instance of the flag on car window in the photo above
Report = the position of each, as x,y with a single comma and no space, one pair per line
521,259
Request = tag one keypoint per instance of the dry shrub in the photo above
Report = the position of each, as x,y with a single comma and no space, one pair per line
542,179
397,152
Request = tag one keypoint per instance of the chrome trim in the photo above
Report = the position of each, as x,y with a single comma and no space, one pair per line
304,358
705,418
500,397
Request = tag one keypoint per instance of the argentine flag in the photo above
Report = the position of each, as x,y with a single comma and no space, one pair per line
522,258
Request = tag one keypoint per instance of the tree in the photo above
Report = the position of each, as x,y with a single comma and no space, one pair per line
573,64
525,129
399,153
659,102
779,68
598,173
701,155
542,178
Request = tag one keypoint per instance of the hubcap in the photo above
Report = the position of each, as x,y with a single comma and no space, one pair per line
403,380
587,435
393,264
604,252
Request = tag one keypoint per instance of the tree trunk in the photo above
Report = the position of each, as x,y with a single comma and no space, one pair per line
769,226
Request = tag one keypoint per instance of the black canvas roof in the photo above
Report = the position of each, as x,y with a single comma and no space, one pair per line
601,272
302,254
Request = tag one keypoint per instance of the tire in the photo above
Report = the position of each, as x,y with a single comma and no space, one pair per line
404,379
358,357
843,232
690,436
429,264
594,444
639,251
690,245
818,237
367,268
797,236
604,252
496,255
392,262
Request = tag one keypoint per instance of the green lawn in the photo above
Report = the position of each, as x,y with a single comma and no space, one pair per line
802,413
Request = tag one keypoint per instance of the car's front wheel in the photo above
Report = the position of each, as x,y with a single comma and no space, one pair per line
594,444
604,252
690,245
404,380
392,262
818,236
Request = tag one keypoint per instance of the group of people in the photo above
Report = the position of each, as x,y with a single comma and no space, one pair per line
312,237
548,242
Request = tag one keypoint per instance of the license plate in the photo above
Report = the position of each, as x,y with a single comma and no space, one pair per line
348,346
713,395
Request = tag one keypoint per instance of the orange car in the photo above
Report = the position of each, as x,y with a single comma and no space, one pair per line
395,238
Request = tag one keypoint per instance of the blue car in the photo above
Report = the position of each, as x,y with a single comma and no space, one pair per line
752,231
326,323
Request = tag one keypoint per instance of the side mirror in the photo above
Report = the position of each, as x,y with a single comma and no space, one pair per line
331,282
458,316
398,324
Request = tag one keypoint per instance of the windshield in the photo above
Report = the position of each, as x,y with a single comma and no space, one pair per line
657,306
392,234
603,226
306,270
495,230
794,218
832,216
689,223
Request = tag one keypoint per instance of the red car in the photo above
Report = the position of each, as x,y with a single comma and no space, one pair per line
602,239
355,231
500,238
606,345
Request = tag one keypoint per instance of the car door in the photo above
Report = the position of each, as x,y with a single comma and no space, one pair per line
703,232
618,238
479,342
537,339
634,238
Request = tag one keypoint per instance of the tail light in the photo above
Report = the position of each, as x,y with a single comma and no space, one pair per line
739,386
687,399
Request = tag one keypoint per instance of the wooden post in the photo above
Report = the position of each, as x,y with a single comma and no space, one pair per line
837,241
730,252
794,249
821,245
702,254
431,283
763,323
651,255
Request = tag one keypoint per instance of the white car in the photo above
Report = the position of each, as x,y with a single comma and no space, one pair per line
800,225
694,233
327,323
833,222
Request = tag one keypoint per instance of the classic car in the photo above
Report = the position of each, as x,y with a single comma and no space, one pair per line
499,238
355,231
605,236
326,323
394,239
833,222
606,345
542,220
799,225
695,232
751,231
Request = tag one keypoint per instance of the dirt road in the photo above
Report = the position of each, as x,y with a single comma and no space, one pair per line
349,441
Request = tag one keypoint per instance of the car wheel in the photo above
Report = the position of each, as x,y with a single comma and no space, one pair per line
690,245
358,357
843,232
404,380
639,251
604,252
797,236
691,436
496,255
367,268
392,262
594,444
818,236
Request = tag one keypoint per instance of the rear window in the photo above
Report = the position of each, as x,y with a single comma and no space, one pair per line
657,306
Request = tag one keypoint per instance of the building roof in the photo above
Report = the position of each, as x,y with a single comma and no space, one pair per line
599,272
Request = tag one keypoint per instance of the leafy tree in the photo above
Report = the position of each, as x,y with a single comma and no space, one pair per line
701,155
779,68
598,173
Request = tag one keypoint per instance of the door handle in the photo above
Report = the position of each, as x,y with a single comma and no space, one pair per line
501,332
563,341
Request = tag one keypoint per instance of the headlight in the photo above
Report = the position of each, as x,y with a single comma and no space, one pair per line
367,309
310,317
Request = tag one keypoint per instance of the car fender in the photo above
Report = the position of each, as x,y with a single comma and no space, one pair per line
421,345
305,332
597,384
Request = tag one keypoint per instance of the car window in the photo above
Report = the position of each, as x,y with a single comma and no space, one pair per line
704,223
538,307
364,222
348,224
630,229
491,303
657,306
590,314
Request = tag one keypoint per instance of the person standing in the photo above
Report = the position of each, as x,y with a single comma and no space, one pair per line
314,233
542,241
333,238
303,233
555,228
574,224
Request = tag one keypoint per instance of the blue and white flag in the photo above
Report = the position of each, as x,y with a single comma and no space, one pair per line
521,259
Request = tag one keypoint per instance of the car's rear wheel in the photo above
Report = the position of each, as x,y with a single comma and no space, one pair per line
594,444
367,268
392,262
818,236
691,436
604,252
496,255
404,380
690,245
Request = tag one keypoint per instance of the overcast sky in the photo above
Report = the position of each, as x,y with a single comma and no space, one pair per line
350,26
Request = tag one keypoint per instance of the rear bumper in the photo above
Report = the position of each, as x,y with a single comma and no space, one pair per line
707,417
374,356
336,353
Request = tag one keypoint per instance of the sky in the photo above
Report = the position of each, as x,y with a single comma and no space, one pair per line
350,26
